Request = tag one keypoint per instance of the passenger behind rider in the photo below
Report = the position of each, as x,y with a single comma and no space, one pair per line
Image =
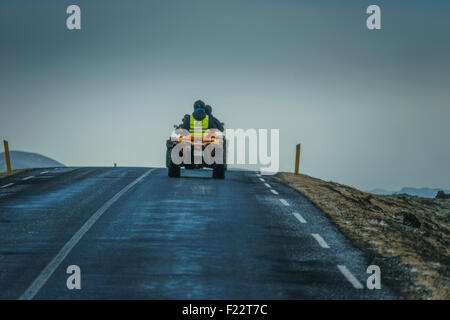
216,121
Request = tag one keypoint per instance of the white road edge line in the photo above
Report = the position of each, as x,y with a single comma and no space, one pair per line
42,278
284,202
7,185
350,277
320,240
27,178
299,217
274,191
267,185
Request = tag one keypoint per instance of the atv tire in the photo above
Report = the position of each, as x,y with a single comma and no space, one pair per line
168,151
173,170
219,171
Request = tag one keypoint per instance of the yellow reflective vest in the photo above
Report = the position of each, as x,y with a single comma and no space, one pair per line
198,128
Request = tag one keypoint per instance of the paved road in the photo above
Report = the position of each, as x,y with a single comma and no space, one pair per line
137,234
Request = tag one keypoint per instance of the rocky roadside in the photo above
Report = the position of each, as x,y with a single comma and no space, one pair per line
407,236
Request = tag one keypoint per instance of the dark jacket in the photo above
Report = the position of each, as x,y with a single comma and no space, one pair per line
217,123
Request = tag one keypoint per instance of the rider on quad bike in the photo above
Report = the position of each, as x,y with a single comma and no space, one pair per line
198,132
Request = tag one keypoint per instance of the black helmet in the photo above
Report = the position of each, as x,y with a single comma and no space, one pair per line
199,104
208,109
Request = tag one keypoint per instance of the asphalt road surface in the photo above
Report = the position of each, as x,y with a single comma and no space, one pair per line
137,234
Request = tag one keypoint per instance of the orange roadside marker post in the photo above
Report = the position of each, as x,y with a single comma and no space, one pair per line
7,157
297,158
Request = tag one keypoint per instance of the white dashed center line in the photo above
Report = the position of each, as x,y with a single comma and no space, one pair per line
27,178
267,185
7,185
44,172
284,202
320,240
261,179
273,191
299,217
350,277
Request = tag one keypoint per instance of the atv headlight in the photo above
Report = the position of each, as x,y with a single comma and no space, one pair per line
175,136
219,134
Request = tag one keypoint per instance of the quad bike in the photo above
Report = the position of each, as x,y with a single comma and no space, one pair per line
207,150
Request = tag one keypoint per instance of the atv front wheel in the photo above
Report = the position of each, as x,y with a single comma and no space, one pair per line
173,170
219,171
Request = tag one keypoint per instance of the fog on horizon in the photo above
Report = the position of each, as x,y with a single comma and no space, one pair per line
370,108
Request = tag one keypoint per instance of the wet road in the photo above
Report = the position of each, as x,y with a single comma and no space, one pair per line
137,234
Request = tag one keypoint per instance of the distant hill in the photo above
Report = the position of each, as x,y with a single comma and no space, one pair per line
23,160
420,192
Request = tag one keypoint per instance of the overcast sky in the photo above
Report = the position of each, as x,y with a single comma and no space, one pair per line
371,108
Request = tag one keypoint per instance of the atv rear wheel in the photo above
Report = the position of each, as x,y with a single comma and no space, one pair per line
219,171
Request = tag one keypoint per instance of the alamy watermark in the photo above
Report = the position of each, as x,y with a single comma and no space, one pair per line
74,280
373,22
234,146
374,280
73,22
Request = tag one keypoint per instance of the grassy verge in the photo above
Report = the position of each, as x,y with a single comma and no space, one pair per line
407,236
